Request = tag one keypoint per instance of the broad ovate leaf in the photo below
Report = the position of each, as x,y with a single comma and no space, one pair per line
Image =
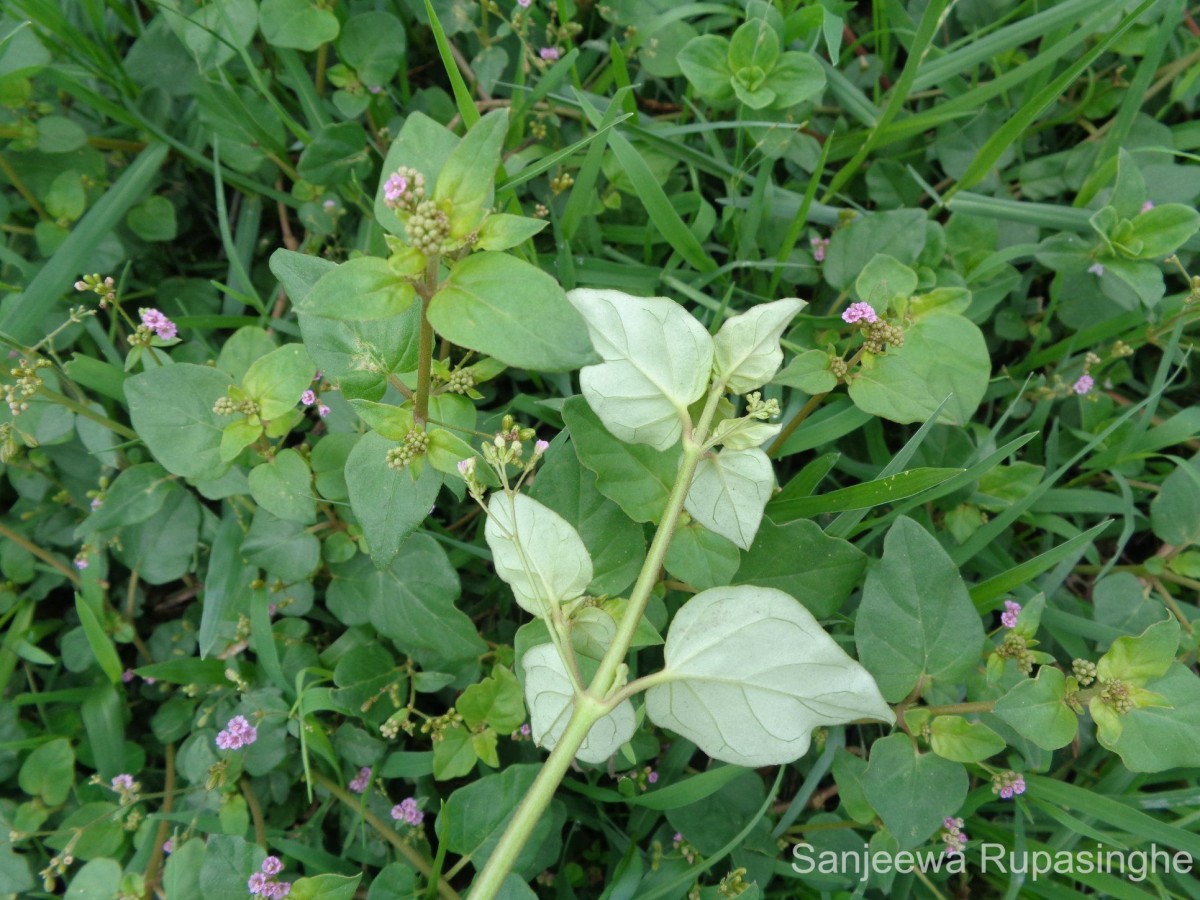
536,552
657,362
551,699
729,492
747,346
750,673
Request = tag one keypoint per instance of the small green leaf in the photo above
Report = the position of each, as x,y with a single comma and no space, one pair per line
325,887
388,504
912,792
502,231
153,220
1036,710
277,380
1135,660
956,739
495,701
754,45
172,411
467,181
393,422
296,24
1164,229
797,77
504,307
808,372
916,624
885,281
705,63
49,772
635,477
283,486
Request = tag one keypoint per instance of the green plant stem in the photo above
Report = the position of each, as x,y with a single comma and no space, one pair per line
595,703
9,534
260,825
813,402
445,891
154,867
15,180
88,413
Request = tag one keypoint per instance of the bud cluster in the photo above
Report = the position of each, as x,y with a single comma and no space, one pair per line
1116,694
28,381
1014,646
435,726
838,367
563,181
104,288
460,382
880,335
415,444
1008,784
1084,671
757,408
427,228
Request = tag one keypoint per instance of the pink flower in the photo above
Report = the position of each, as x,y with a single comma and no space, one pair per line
549,53
859,312
540,447
128,676
96,503
271,865
82,286
466,468
524,4
406,811
81,562
652,778
322,410
258,884
329,205
1147,206
123,782
954,837
375,89
394,189
169,846
308,398
525,729
1008,618
819,246
1084,385
361,781
278,889
158,323
238,733
1008,784
1096,269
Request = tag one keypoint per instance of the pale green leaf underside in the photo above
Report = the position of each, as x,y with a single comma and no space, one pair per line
751,674
536,552
729,492
657,361
550,698
747,347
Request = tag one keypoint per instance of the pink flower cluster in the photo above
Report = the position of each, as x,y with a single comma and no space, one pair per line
1084,385
549,53
361,781
406,811
860,312
310,398
953,836
1008,618
158,323
819,246
238,733
124,782
1008,784
263,883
